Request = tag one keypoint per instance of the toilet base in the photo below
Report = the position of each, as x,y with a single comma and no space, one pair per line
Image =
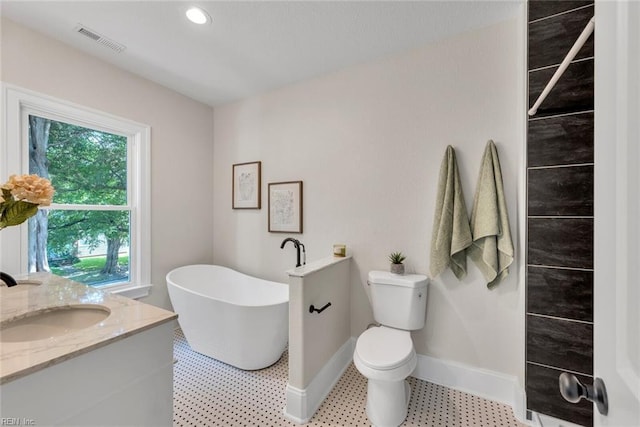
387,402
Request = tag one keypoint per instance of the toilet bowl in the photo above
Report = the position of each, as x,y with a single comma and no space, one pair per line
385,354
386,357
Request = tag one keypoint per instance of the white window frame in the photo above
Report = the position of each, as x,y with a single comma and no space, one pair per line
18,104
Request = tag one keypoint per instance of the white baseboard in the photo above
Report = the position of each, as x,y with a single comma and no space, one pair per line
495,386
540,420
303,403
487,384
519,405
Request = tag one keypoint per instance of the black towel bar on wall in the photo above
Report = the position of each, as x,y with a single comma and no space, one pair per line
319,310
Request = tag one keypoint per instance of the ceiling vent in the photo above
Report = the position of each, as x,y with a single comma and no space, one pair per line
81,29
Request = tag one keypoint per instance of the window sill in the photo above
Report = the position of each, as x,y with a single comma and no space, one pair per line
133,291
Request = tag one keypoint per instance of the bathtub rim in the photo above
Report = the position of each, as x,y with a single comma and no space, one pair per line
226,301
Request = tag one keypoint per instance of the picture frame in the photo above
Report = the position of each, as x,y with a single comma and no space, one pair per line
285,207
246,185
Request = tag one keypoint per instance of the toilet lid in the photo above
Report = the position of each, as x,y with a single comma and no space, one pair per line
384,348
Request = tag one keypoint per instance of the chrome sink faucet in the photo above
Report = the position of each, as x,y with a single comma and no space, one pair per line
297,245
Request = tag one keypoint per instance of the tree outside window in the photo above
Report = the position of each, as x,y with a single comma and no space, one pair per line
85,235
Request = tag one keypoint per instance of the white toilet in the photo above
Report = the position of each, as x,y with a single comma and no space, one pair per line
385,354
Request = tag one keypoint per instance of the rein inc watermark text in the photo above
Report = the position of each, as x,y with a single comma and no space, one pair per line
14,421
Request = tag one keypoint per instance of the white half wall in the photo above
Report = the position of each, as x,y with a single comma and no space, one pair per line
367,142
302,403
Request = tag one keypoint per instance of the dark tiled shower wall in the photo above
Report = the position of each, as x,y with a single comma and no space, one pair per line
560,164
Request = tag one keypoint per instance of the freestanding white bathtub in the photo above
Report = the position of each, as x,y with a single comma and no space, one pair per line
238,319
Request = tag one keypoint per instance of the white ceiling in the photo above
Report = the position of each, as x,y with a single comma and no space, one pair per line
251,46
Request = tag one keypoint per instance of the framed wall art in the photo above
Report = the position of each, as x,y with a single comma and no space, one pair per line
247,185
285,207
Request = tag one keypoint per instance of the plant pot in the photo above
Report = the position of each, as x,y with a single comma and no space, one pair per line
397,268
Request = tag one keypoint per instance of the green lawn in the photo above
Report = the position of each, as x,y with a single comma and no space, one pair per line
88,271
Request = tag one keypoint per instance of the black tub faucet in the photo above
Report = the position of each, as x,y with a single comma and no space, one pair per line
297,245
304,254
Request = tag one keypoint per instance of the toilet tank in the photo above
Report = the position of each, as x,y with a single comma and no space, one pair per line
398,301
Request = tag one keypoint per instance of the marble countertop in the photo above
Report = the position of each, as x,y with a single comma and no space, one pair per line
127,318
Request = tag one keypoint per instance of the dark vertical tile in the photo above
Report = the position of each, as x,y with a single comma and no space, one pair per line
560,140
560,191
543,8
551,39
560,242
560,134
560,293
572,93
543,396
564,344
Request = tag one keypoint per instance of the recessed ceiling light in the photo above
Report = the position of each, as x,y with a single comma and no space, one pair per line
198,16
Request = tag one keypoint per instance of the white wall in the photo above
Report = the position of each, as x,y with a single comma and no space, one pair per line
367,142
181,139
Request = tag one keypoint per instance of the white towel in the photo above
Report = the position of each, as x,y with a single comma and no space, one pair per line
451,233
492,249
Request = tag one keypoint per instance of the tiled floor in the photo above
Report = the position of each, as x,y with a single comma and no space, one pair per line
211,393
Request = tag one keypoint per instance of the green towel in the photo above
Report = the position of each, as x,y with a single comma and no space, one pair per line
492,248
451,233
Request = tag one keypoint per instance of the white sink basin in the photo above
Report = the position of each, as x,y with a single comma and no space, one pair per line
51,322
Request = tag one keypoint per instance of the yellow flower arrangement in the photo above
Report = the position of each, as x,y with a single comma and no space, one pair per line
21,196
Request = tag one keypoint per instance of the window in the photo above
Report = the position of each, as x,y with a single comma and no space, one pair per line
96,231
84,236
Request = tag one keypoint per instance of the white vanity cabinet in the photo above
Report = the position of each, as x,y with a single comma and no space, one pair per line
118,372
126,383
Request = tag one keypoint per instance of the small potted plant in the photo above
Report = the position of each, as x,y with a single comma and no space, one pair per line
396,258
